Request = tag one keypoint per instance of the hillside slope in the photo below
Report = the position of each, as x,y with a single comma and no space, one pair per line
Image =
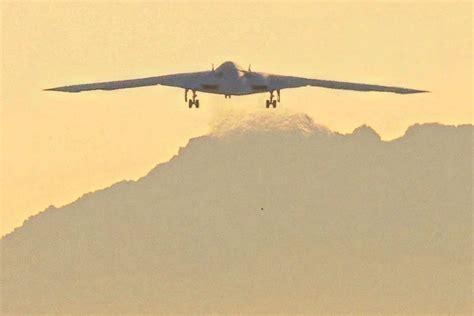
349,224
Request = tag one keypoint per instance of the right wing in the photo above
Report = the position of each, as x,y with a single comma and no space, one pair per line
282,82
184,80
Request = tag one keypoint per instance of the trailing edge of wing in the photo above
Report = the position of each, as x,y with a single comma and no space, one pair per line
359,86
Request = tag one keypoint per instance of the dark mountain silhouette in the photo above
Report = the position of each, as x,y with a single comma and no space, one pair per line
349,223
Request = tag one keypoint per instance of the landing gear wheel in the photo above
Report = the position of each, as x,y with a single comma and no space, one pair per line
274,103
268,104
197,104
190,103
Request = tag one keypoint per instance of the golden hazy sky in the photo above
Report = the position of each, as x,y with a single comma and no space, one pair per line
57,146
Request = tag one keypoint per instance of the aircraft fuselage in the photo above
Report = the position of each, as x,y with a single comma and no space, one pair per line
229,79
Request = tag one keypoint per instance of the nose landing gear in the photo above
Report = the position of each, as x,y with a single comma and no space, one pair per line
271,101
194,101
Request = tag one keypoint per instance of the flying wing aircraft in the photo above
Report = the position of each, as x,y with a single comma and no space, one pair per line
229,79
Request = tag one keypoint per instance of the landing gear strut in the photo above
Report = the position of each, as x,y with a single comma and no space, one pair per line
192,101
271,101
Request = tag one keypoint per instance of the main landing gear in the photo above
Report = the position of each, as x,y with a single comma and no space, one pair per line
271,101
194,101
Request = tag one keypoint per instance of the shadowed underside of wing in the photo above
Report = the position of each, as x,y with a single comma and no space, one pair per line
111,85
185,80
360,86
283,82
207,80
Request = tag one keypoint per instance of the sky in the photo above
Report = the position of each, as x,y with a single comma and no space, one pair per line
58,146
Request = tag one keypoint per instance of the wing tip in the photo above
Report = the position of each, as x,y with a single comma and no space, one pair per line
60,89
412,91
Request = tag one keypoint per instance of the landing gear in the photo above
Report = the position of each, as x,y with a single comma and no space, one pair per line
192,101
195,103
272,102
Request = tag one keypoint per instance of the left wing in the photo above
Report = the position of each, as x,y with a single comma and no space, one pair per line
184,80
277,82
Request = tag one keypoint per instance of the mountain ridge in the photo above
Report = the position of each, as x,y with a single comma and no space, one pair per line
262,221
297,123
